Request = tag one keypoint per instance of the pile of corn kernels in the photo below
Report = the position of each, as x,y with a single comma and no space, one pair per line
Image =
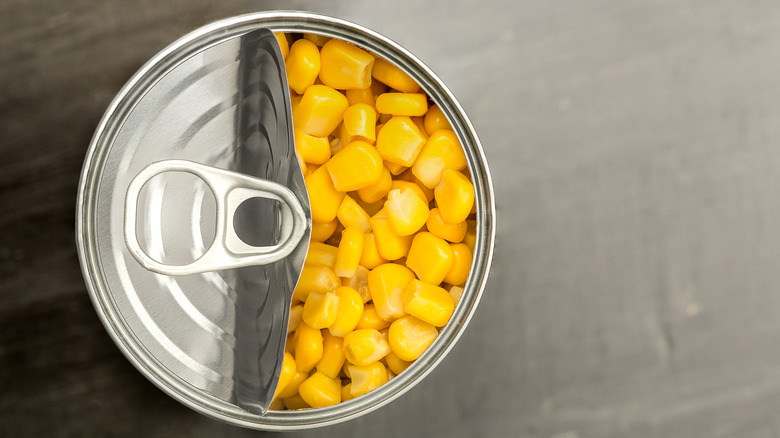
393,229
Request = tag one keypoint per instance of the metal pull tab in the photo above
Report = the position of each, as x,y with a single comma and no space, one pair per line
230,189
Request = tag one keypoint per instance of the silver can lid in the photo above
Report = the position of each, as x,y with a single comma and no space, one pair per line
201,216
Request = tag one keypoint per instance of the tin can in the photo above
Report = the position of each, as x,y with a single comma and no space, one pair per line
123,312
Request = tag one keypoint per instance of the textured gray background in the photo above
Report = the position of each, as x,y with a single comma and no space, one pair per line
635,150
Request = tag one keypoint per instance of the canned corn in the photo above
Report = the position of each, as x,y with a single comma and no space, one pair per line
155,321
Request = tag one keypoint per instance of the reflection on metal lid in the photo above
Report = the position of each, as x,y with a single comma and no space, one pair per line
225,110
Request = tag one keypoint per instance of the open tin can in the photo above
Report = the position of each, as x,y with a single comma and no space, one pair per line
181,332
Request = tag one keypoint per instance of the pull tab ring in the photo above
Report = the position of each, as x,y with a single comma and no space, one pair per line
230,189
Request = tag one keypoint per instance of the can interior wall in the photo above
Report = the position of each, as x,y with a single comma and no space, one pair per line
283,21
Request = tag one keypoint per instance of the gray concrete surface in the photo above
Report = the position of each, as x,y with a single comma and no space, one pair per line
635,148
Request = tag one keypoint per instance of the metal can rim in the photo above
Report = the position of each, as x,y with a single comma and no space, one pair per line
285,21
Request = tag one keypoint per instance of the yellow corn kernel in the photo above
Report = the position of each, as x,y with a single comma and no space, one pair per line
395,169
321,231
345,66
303,65
390,245
313,150
378,190
401,185
359,282
315,279
459,272
365,96
287,374
420,122
471,234
321,254
320,309
351,213
365,346
428,303
316,38
332,355
393,77
350,250
435,120
292,388
409,177
308,347
283,44
362,95
406,211
295,402
346,392
360,123
349,313
320,110
323,196
395,363
367,378
450,232
430,257
345,369
356,166
370,257
277,404
456,292
454,196
320,390
400,141
442,151
410,337
386,284
402,104
370,319
296,316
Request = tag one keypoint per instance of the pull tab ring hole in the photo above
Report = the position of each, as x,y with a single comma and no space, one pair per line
176,217
257,221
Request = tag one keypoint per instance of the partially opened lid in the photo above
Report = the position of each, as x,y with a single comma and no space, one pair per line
221,102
